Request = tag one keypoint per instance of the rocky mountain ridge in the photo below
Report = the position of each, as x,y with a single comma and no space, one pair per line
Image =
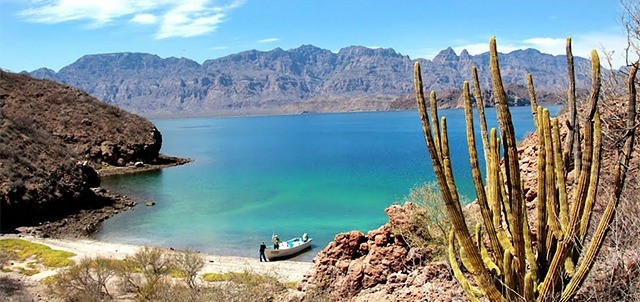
303,79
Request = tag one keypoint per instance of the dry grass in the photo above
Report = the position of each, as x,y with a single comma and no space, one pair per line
154,274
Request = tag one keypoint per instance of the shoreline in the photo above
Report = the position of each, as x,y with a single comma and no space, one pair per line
73,233
81,223
284,270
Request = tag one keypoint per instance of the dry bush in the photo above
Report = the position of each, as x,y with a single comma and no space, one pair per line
244,286
144,273
188,263
616,274
428,222
153,274
85,281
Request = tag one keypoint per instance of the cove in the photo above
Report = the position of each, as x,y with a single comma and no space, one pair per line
253,176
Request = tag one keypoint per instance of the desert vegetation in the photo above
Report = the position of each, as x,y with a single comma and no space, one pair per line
154,274
151,274
506,258
33,255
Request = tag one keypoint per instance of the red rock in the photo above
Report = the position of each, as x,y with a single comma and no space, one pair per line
343,265
380,266
364,248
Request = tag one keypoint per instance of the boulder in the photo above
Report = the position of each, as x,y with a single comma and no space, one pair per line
380,266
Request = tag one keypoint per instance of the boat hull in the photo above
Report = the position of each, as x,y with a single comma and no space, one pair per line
286,252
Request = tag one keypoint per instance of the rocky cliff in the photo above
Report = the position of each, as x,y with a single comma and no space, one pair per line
51,136
304,79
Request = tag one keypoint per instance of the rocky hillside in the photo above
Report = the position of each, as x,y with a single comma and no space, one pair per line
51,136
304,79
517,95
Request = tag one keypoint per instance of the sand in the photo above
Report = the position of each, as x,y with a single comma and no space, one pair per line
284,270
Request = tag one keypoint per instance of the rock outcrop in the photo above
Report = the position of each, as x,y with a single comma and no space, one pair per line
380,266
51,136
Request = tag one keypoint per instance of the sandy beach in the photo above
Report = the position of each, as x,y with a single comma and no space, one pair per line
283,270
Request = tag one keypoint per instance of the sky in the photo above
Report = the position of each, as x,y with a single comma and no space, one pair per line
55,33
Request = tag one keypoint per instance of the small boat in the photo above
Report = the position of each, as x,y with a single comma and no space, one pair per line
288,248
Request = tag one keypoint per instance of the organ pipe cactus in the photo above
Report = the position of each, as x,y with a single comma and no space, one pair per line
511,263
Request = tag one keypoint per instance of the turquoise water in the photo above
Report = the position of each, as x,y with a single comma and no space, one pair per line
319,173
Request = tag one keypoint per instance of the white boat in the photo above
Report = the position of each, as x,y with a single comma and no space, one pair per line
288,248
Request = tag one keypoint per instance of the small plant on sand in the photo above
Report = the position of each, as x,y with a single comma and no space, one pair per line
23,250
5,257
216,277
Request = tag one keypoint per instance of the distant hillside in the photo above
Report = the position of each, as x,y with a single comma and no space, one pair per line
517,95
47,132
304,79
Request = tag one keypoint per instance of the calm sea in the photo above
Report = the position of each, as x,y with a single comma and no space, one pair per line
252,176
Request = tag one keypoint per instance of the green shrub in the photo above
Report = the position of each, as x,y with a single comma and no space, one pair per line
23,249
428,222
216,277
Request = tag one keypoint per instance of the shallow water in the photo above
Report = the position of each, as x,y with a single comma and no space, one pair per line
253,176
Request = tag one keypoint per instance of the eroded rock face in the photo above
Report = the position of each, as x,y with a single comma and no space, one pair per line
380,266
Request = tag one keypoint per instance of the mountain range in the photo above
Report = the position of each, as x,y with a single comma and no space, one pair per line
304,79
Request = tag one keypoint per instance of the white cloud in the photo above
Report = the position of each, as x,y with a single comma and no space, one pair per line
185,18
144,19
96,11
547,45
219,47
269,40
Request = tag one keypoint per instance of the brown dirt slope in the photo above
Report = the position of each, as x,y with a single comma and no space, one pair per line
47,132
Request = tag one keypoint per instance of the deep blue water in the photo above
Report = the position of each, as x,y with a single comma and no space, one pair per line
318,173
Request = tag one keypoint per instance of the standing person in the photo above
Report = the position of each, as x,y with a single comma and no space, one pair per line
262,248
276,241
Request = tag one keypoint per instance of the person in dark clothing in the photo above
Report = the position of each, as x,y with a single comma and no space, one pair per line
262,248
276,241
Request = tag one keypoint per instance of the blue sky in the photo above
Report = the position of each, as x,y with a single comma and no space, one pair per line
55,33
